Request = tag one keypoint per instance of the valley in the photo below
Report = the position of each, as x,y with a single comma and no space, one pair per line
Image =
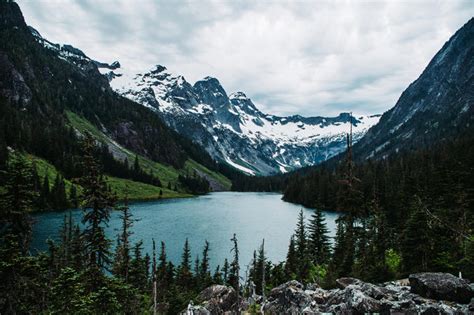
144,193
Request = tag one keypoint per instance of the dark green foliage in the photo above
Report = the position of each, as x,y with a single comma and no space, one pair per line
194,184
97,202
16,201
318,239
291,265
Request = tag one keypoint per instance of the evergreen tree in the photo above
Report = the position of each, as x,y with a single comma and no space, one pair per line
415,243
234,272
204,271
16,202
45,193
260,274
73,197
291,265
184,276
301,246
122,256
300,239
97,201
319,245
225,272
139,266
136,165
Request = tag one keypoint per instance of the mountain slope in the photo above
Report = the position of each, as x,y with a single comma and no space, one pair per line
232,129
439,104
41,84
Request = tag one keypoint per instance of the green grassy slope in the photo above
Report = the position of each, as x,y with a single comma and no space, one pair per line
122,187
166,174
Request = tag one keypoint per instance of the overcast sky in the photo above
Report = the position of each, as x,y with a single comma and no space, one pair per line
304,57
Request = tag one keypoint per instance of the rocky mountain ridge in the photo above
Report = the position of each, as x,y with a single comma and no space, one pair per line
232,129
437,105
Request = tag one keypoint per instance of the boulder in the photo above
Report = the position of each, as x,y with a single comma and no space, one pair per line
218,299
344,282
288,298
369,289
441,286
353,300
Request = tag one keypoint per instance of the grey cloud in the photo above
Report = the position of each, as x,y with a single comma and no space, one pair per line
304,57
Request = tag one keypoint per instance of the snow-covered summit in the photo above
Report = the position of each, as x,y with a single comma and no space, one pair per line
232,129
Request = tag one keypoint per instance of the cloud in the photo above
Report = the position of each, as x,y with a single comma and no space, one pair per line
304,57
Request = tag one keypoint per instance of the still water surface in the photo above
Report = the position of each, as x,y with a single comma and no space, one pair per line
213,217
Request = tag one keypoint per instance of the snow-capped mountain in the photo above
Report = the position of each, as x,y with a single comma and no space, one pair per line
232,129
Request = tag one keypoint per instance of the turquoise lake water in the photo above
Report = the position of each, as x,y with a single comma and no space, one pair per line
213,217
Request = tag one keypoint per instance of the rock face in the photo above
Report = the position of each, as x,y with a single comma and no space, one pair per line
353,297
218,299
439,104
441,286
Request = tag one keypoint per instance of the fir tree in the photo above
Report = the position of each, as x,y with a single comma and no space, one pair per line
291,265
184,276
234,272
97,202
17,200
122,257
225,272
318,243
415,244
204,272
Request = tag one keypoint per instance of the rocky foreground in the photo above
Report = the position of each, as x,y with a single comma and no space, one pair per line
422,293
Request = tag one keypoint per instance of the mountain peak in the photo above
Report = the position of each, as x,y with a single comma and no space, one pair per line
238,95
11,16
158,69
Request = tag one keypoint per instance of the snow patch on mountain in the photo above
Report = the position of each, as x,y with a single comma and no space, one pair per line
232,129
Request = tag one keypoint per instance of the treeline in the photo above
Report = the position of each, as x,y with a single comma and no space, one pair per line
275,183
194,184
420,206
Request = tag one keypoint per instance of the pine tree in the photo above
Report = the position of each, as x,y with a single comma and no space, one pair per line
16,201
300,239
291,265
319,245
45,193
415,243
337,259
97,202
234,272
136,165
204,272
122,257
184,276
260,276
154,279
139,267
217,277
225,272
301,246
74,199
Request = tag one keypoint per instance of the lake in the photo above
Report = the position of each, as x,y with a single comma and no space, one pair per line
213,217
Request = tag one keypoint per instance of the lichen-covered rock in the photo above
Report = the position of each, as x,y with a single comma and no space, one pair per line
218,299
441,286
288,298
355,300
